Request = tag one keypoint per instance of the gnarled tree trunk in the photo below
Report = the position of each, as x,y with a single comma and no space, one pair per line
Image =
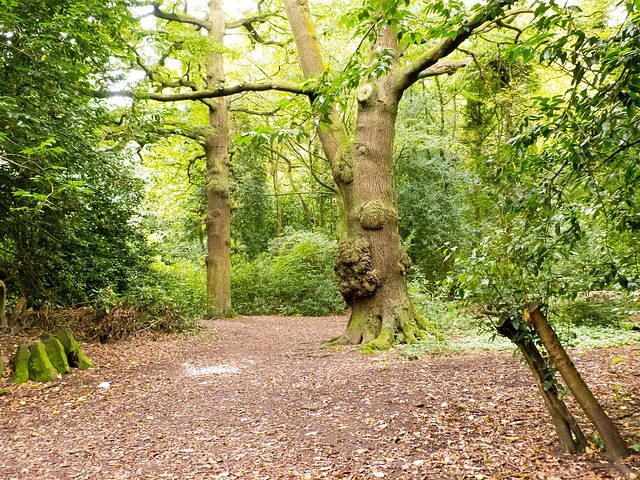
370,263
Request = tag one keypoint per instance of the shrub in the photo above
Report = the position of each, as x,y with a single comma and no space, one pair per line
293,277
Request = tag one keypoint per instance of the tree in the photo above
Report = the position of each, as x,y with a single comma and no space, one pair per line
205,55
565,175
68,191
213,140
371,266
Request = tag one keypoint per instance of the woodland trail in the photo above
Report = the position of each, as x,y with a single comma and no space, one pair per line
260,399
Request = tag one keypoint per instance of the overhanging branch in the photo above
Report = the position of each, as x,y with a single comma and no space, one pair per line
222,91
409,74
180,17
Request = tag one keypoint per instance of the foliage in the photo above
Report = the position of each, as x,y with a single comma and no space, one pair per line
294,277
253,222
179,282
66,225
432,206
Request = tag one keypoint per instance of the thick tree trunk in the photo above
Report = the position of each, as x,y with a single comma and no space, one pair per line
218,217
370,263
613,442
570,436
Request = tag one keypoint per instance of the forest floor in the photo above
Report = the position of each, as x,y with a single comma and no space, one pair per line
259,398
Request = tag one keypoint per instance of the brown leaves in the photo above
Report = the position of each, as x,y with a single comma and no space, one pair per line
285,412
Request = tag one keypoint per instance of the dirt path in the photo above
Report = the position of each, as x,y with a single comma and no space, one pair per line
261,399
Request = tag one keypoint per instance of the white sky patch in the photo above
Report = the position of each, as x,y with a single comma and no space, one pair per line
236,7
222,369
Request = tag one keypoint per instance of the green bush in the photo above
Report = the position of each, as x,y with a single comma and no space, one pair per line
181,282
293,277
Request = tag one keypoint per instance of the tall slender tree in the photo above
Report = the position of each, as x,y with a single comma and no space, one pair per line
214,139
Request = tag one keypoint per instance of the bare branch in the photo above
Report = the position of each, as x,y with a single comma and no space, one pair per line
217,92
180,17
475,60
245,22
248,24
448,67
152,75
268,113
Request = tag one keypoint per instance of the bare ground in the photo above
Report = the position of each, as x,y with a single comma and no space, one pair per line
261,399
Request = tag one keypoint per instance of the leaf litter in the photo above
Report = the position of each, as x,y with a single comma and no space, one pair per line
275,404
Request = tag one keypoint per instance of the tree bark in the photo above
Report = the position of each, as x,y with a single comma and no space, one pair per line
613,442
570,436
218,217
370,263
3,307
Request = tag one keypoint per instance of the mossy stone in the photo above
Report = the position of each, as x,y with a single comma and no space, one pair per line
3,363
21,365
40,368
83,362
75,355
56,354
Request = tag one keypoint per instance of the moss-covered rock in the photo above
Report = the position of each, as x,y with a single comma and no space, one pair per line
56,354
20,365
40,368
3,363
75,355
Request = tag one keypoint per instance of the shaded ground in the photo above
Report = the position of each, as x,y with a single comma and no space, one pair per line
261,399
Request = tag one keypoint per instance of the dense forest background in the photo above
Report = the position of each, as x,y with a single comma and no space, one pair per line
516,175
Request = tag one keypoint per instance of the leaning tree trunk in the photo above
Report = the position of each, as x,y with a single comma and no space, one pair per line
613,442
218,217
570,436
370,263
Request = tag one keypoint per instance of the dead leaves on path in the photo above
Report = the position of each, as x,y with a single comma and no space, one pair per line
260,404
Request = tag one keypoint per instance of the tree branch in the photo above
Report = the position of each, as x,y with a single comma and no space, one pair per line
246,22
448,67
180,17
408,75
221,91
